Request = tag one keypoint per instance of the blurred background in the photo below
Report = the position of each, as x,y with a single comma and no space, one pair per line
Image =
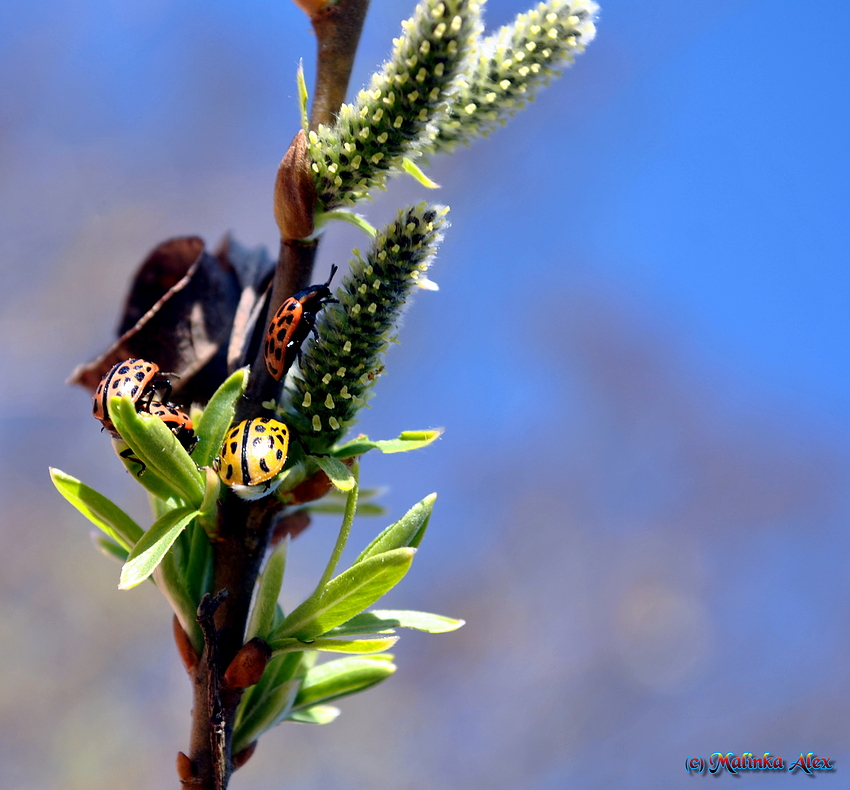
639,354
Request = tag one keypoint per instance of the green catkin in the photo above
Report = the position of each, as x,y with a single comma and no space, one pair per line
395,116
340,365
509,67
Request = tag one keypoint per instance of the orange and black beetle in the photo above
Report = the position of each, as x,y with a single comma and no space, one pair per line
291,324
178,422
134,377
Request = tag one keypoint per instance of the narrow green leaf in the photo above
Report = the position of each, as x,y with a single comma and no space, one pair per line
102,512
336,502
407,440
317,714
172,585
157,486
152,547
303,96
410,526
268,591
338,473
209,513
108,548
158,447
159,507
340,678
351,217
258,703
419,621
346,595
199,561
337,508
288,645
217,417
273,708
412,169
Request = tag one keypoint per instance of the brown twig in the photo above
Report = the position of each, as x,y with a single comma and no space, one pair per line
246,527
338,30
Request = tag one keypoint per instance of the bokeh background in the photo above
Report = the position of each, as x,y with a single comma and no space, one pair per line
639,354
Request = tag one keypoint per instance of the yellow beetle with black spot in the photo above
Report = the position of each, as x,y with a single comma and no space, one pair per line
253,453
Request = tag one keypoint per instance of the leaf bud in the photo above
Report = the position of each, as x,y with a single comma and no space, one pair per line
295,191
248,665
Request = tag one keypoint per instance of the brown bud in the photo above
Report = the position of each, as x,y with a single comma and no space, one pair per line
310,7
314,487
293,525
186,771
240,758
295,191
188,654
248,665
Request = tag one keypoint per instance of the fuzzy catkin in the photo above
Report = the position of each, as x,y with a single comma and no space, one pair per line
395,116
340,365
509,67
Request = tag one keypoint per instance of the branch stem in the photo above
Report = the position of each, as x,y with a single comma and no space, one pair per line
338,29
246,527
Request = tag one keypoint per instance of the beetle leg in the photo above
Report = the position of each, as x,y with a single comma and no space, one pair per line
129,455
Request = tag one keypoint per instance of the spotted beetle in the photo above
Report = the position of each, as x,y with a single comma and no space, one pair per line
134,377
178,422
254,452
291,324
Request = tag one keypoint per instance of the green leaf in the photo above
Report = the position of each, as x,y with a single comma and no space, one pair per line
303,96
385,621
409,528
346,595
273,708
412,169
161,489
268,591
289,645
172,585
338,473
209,513
337,508
199,562
158,447
108,548
317,714
336,502
152,547
217,417
102,512
260,706
419,621
407,440
340,678
351,217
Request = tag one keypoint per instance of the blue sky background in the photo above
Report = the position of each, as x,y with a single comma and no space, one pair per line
639,354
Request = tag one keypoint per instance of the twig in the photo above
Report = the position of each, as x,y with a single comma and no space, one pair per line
218,742
338,30
246,526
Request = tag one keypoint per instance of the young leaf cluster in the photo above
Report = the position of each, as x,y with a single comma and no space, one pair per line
332,619
175,549
175,552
